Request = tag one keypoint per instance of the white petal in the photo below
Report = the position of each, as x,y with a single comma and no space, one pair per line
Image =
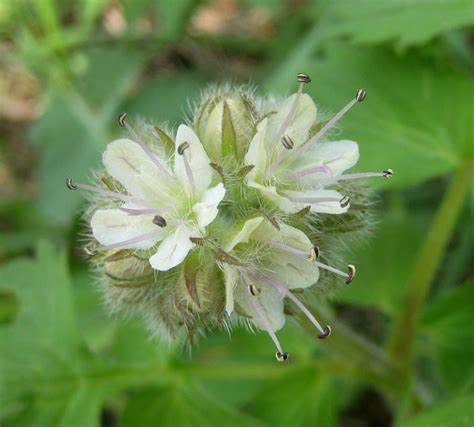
173,250
269,301
299,128
257,153
206,210
293,271
231,279
197,158
126,162
243,233
271,194
337,155
111,226
332,207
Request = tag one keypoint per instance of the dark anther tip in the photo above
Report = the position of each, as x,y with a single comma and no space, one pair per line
121,119
303,78
159,221
360,95
287,142
314,254
351,272
388,173
327,331
70,184
344,202
254,291
182,148
282,357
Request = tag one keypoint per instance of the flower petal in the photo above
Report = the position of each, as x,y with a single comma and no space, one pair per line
243,233
337,155
112,226
173,250
293,271
271,194
206,210
299,128
197,159
231,279
257,153
270,303
126,162
305,198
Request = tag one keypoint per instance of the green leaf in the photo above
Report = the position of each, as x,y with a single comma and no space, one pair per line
417,118
446,321
185,406
406,23
453,413
47,376
173,15
306,398
385,263
164,98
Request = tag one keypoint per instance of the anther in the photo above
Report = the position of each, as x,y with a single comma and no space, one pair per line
182,148
121,119
159,221
326,333
360,95
388,173
303,78
314,254
287,142
351,272
70,184
253,290
344,202
282,356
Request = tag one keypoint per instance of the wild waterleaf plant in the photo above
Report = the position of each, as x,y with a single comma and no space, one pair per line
236,218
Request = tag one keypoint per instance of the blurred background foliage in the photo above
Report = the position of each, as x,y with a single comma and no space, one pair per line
402,350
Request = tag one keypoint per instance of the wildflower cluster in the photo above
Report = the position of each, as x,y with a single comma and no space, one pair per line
232,219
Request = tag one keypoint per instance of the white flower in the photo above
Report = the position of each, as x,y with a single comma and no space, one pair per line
287,261
161,205
292,171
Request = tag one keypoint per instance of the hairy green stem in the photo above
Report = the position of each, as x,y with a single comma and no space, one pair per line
426,266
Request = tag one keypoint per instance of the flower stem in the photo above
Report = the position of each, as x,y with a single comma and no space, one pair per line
426,267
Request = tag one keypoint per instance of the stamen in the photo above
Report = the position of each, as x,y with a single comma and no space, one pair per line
253,290
351,274
119,196
348,177
255,304
122,122
344,202
287,142
284,291
159,221
135,212
281,357
137,239
303,78
360,96
326,333
182,152
309,171
314,254
314,200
